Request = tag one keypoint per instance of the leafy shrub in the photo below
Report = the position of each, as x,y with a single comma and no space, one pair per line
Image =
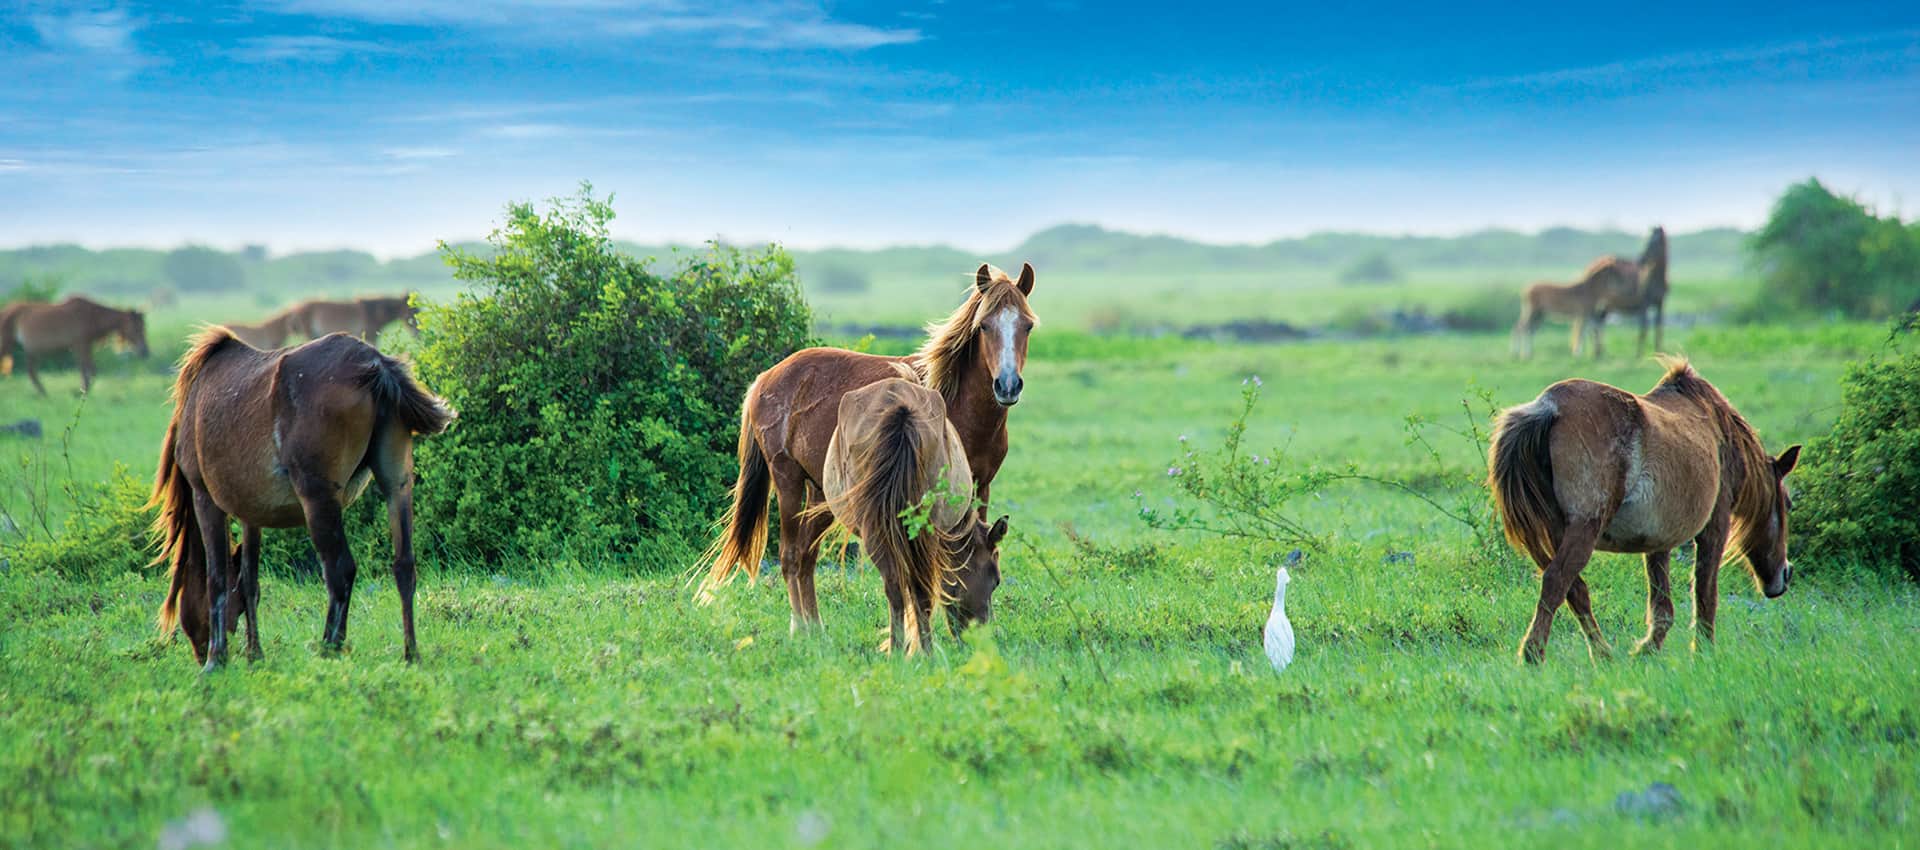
40,288
598,400
1858,491
1822,251
1370,269
104,533
197,268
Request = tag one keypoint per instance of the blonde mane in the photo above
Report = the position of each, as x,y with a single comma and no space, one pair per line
952,341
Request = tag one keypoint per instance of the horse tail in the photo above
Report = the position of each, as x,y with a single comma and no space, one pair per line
744,538
176,526
1520,473
396,394
888,471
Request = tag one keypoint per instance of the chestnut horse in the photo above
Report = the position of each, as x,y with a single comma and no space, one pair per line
1649,294
361,317
1607,280
893,450
281,439
972,359
1587,467
71,325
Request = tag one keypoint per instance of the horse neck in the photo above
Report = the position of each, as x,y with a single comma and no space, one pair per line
972,409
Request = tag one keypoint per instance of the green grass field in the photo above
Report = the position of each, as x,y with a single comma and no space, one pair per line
1119,696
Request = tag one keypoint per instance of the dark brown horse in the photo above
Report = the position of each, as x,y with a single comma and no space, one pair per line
973,360
361,317
1649,297
892,452
281,439
71,325
1606,281
1587,467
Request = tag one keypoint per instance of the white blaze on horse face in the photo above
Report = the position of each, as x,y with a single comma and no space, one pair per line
1008,319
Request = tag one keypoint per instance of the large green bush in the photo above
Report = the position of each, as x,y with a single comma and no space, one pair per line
1858,493
1828,252
598,400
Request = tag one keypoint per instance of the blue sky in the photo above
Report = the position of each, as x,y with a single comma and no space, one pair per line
386,124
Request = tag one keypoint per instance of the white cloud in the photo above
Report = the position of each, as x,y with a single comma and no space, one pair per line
425,153
1696,60
300,48
753,25
100,41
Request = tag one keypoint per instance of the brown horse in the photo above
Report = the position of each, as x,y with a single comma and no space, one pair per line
267,334
361,317
973,360
892,452
1587,467
1650,293
281,439
1606,281
71,325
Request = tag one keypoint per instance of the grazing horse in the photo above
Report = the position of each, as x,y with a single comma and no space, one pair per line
281,439
71,325
1650,293
892,451
361,317
1586,467
1606,281
972,359
267,334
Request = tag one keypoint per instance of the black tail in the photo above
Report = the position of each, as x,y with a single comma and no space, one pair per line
744,540
397,394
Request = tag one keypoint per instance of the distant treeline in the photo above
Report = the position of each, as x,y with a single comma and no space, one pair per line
189,269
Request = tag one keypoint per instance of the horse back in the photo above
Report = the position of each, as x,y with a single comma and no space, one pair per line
794,407
1647,466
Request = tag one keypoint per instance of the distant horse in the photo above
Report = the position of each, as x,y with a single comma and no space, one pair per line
1586,466
1606,281
281,439
892,450
1650,293
361,317
972,359
267,334
71,325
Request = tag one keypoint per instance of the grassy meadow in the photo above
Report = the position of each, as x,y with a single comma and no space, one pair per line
1120,695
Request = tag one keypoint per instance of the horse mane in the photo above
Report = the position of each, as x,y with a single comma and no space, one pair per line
175,526
1745,466
952,342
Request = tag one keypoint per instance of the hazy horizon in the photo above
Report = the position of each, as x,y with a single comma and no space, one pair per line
329,124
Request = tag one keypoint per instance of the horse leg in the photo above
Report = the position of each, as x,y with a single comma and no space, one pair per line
393,469
1659,603
250,586
1660,326
219,548
324,525
1569,558
1599,323
796,567
897,601
83,355
33,372
1640,347
1582,607
1708,549
1579,332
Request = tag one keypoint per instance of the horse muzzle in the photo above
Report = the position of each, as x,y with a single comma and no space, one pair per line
1786,576
1006,391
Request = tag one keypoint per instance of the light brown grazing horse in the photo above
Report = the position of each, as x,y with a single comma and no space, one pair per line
281,439
890,454
361,317
71,325
267,334
1608,280
1650,293
1587,467
972,359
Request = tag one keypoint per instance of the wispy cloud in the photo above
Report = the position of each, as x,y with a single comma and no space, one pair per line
425,153
101,40
755,25
301,48
1628,71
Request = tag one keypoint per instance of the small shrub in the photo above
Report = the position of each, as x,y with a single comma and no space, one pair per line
1373,268
39,288
1858,491
599,401
104,533
1491,309
197,268
1828,252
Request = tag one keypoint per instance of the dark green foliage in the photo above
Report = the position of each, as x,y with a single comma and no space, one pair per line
197,268
105,532
1372,268
33,287
1822,251
1858,492
599,401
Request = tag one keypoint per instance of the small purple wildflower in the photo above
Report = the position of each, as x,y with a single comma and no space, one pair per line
1173,472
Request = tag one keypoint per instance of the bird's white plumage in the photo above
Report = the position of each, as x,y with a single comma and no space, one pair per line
1279,637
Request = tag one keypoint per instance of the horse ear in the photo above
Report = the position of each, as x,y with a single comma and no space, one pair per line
1026,279
1785,462
983,278
997,532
